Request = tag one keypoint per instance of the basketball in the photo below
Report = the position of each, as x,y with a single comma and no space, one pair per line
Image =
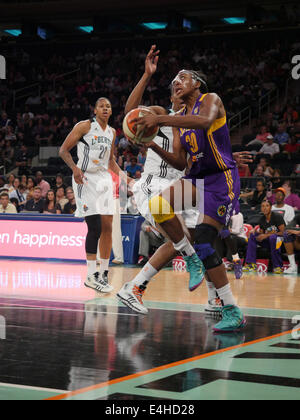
134,133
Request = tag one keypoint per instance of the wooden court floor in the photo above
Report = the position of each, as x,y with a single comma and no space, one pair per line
60,340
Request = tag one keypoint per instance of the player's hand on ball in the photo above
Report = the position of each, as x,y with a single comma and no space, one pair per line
136,122
78,175
146,122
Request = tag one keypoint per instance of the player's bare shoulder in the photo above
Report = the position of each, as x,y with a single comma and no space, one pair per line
213,99
83,127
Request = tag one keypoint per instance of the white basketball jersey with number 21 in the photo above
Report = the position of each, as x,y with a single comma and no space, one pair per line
95,148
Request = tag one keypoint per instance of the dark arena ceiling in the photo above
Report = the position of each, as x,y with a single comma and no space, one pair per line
60,19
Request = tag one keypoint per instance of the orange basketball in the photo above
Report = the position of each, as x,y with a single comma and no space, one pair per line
134,133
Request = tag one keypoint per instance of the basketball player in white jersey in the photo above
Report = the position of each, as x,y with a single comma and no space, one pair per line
157,176
93,187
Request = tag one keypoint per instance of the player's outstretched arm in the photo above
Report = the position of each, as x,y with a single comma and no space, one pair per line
79,131
135,99
177,159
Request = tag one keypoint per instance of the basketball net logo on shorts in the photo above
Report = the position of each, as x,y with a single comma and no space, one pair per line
2,68
221,211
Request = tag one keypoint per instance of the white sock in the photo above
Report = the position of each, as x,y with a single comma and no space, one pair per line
92,267
236,257
212,292
145,275
226,296
185,247
292,259
104,266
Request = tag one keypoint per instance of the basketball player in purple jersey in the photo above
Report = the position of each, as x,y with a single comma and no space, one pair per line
201,132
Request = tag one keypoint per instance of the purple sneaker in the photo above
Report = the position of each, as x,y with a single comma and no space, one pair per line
238,269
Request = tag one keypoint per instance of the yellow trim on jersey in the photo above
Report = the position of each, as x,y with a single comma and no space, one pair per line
198,107
215,152
221,164
218,124
203,96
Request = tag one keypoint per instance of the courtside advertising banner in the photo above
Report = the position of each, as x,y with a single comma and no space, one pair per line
63,240
36,239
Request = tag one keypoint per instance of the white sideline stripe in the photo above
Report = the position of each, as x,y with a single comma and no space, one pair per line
33,388
185,307
117,313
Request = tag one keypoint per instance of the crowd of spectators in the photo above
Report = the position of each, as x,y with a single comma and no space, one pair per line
241,76
275,146
35,195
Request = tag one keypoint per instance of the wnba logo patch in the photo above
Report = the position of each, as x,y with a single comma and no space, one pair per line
85,208
2,67
221,211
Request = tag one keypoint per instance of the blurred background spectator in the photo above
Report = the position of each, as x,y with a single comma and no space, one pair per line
36,204
70,206
50,204
5,205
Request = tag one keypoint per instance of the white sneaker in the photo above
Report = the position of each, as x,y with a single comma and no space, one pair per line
293,269
131,295
99,282
214,307
117,262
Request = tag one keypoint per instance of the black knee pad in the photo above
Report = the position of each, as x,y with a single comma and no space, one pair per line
205,237
213,261
93,235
